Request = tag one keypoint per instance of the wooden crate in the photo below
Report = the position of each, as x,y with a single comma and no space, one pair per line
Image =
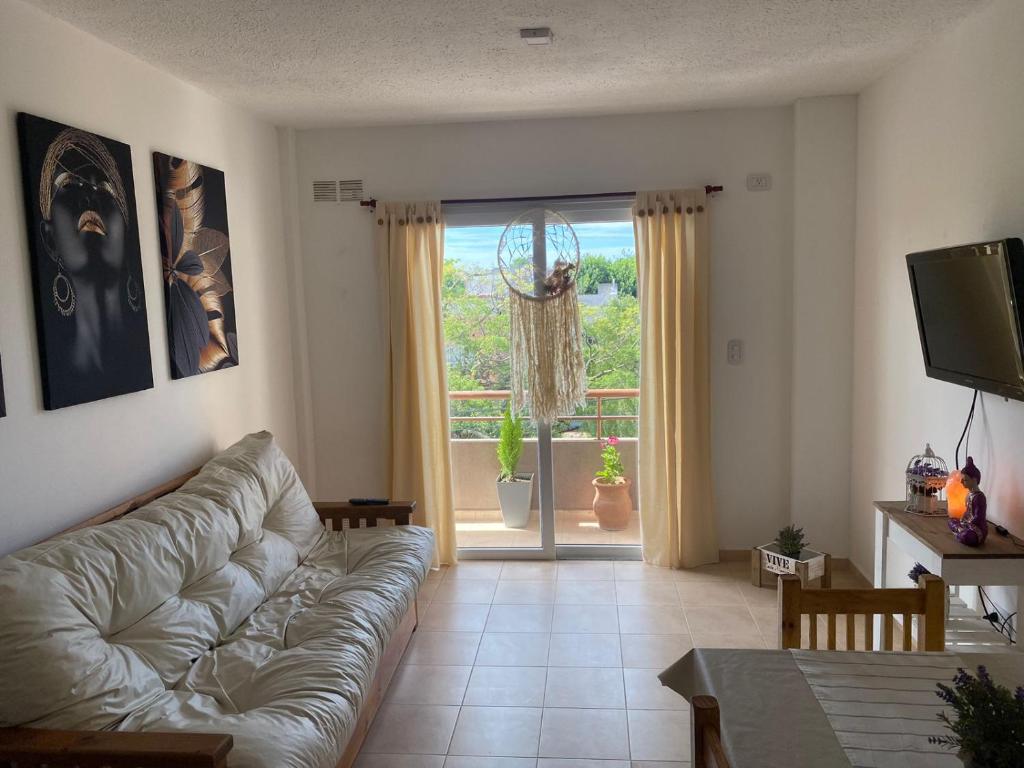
767,563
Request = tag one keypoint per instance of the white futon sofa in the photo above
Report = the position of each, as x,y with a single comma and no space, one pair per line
224,607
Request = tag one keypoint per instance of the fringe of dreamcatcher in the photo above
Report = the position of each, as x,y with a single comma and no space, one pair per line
548,373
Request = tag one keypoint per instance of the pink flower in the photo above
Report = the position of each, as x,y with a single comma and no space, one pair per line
613,440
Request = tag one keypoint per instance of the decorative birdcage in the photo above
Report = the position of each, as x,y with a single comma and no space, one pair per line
926,483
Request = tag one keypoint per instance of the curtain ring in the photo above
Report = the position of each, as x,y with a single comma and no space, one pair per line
650,211
429,219
679,209
664,209
380,222
689,209
419,219
401,222
640,213
700,209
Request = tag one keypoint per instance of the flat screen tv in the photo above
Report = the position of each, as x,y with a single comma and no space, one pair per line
969,314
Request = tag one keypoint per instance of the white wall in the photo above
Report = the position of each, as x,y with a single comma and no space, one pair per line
59,467
940,161
751,271
824,212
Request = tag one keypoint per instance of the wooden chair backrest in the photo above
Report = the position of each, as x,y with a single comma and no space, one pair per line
927,601
707,733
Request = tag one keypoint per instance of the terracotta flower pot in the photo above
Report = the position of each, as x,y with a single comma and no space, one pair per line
612,504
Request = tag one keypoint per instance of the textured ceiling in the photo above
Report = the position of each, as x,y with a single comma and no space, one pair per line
323,62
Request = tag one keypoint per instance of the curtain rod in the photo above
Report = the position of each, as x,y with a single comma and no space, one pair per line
709,189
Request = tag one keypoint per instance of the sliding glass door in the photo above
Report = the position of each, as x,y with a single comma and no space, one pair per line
561,457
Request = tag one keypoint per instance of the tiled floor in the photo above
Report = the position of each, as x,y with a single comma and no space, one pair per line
554,665
484,528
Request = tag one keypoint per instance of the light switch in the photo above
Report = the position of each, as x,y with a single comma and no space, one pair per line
734,352
759,182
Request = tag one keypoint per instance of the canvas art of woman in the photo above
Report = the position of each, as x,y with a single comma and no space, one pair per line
972,528
90,303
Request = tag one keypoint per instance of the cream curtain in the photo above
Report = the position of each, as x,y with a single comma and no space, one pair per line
410,249
677,510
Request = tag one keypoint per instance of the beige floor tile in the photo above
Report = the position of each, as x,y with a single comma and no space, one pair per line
585,733
454,617
466,591
659,764
525,570
730,640
727,571
654,651
766,618
581,650
758,596
642,572
646,593
652,620
714,593
519,618
564,762
458,761
513,649
585,592
720,620
474,569
585,619
522,592
645,691
497,732
506,687
584,570
399,761
456,648
411,729
428,589
589,688
416,684
659,735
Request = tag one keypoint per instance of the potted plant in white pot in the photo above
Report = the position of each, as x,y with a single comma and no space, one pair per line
612,504
515,490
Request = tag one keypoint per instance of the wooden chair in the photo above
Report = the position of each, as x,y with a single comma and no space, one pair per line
927,601
707,733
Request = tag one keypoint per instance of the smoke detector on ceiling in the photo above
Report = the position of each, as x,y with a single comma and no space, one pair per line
536,35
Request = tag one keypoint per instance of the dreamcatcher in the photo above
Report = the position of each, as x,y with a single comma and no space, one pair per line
539,265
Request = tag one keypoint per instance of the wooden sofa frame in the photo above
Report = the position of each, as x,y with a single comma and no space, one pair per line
39,747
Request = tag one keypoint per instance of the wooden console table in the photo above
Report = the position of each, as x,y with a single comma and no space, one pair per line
927,539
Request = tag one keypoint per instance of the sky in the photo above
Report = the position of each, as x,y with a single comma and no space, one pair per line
479,245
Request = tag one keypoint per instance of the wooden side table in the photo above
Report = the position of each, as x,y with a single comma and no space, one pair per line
927,539
335,513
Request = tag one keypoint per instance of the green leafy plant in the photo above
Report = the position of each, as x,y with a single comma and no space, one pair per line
510,446
989,725
790,541
612,471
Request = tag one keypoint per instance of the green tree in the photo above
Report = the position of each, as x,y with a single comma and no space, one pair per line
476,327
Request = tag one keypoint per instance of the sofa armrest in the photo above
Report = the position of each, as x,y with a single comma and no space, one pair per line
337,512
31,747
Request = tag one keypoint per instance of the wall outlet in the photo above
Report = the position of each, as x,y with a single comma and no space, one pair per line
734,352
759,182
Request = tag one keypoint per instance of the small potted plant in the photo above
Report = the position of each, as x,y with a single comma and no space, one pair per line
515,490
612,504
988,731
789,554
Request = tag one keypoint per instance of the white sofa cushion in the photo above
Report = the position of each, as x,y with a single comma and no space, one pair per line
224,607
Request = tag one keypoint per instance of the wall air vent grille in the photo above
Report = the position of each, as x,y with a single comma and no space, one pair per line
345,190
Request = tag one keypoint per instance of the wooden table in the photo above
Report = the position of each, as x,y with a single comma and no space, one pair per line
927,539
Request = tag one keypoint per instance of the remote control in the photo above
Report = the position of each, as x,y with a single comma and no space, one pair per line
370,502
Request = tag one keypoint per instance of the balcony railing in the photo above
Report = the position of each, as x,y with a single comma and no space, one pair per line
599,395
